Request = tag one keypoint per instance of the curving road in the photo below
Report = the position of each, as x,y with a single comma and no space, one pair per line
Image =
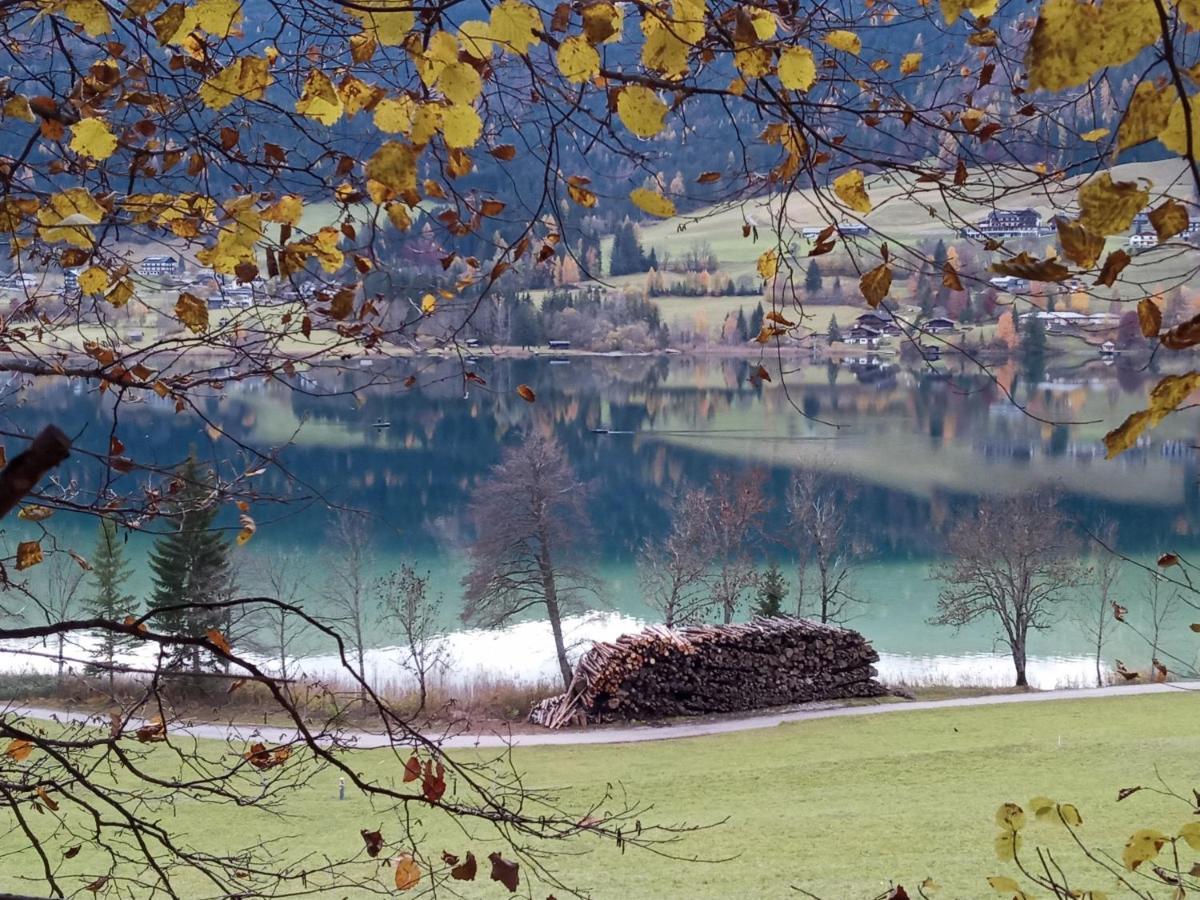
623,734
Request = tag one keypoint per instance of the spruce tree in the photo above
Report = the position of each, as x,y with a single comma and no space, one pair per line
772,590
834,332
741,325
110,572
756,321
812,278
190,567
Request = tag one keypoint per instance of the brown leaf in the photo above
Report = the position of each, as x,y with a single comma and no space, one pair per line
876,284
433,781
18,749
1079,245
1119,611
708,177
374,842
1025,266
1126,792
96,885
1184,335
152,732
1169,219
72,852
1149,317
505,872
761,374
1167,560
1160,671
1113,264
504,153
525,392
950,278
218,640
45,797
465,871
412,769
408,873
115,447
29,554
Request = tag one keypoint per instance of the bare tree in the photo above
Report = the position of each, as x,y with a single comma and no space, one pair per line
673,572
1161,605
826,549
531,522
404,601
738,505
348,584
1096,618
273,630
1014,562
58,599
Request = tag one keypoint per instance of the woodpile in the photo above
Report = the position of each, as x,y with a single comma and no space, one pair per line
714,669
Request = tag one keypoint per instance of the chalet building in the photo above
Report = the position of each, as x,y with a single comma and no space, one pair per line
868,337
155,266
940,325
71,279
844,229
1010,223
1143,241
879,322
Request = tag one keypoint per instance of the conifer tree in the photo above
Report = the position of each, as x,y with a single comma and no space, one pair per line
190,568
110,572
812,278
756,321
772,590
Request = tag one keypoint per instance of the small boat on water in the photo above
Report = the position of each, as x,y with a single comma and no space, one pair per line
608,431
380,423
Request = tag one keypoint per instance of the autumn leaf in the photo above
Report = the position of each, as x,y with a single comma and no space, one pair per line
1149,317
35,513
374,842
218,640
851,189
1169,219
29,554
768,264
641,111
465,871
1079,245
1107,207
652,202
846,41
797,69
1146,116
18,749
433,781
525,392
412,769
1025,266
1113,265
505,872
1166,396
910,63
91,138
1142,846
192,312
578,60
408,873
1073,40
1182,336
1167,560
875,284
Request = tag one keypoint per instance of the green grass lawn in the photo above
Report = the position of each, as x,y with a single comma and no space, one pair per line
838,806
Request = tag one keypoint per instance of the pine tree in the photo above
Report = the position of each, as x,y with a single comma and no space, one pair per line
742,328
110,572
756,321
835,333
812,278
772,591
190,568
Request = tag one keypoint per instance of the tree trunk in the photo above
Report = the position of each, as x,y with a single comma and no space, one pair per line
550,592
1018,655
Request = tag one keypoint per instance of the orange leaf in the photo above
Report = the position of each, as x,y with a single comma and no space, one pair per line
526,393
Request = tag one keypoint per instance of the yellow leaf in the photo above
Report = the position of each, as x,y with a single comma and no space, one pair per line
218,17
461,126
476,38
29,554
1070,814
797,69
1169,219
1007,845
395,116
320,99
35,513
17,107
394,167
602,22
581,195
652,202
1094,135
910,63
93,281
875,284
1191,833
1164,398
1042,807
408,874
1079,245
247,77
513,24
399,216
753,62
287,210
244,534
846,41
66,215
768,264
192,312
1142,846
389,28
1002,884
428,305
91,137
460,83
18,749
90,14
1148,116
664,51
357,95
851,190
578,60
363,46
1073,40
952,9
641,111
1107,207
1011,816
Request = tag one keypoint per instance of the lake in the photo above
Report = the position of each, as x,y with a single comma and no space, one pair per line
920,448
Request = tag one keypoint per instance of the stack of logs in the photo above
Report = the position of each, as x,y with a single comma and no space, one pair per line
714,669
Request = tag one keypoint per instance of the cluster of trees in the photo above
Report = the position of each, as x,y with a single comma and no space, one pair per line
627,255
704,283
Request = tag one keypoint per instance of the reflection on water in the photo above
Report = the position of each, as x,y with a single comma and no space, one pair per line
920,447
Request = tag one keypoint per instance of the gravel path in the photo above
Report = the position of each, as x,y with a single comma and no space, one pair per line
622,734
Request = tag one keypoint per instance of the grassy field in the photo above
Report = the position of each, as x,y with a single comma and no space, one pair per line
837,806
